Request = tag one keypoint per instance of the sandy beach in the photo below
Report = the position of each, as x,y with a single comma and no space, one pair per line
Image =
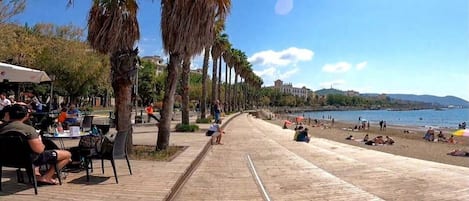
407,144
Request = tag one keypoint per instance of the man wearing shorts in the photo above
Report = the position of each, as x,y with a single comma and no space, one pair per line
216,132
19,113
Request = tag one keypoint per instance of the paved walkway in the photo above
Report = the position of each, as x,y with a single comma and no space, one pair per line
320,170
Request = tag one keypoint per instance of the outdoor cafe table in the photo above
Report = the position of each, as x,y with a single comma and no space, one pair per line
65,135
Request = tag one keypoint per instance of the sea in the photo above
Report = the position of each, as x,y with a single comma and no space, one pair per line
442,118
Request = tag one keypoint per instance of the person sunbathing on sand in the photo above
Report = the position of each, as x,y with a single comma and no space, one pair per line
376,141
441,137
451,140
366,138
349,137
389,141
458,152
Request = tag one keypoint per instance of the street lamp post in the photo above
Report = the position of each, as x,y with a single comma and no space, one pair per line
52,79
136,94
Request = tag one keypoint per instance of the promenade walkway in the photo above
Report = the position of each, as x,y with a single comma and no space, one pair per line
320,170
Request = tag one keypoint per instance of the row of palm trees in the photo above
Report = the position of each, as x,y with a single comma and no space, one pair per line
234,99
188,28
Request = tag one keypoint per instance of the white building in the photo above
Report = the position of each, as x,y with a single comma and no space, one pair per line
158,61
289,89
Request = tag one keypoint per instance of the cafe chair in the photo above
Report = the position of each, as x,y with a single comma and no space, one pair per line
15,152
87,123
110,150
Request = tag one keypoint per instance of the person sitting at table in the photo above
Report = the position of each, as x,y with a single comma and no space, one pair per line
17,114
72,115
62,115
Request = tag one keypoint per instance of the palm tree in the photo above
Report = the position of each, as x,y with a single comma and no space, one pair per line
225,44
113,29
203,99
245,71
217,50
227,56
187,27
239,62
186,69
233,57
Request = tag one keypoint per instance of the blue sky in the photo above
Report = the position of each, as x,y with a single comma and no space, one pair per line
370,46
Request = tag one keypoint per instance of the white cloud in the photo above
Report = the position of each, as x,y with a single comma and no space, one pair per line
340,67
266,72
283,7
285,57
333,84
270,74
141,51
361,65
148,39
289,73
300,85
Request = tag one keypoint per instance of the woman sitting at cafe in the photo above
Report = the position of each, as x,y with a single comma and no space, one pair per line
62,116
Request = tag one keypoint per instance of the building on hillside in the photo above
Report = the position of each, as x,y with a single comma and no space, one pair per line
352,93
197,71
289,89
158,61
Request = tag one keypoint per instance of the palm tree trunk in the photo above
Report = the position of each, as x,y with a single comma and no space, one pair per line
229,93
214,83
185,89
122,65
167,111
219,80
225,103
234,100
203,99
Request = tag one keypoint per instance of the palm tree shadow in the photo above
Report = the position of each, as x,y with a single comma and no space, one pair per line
93,180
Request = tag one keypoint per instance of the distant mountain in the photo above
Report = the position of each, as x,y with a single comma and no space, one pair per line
437,100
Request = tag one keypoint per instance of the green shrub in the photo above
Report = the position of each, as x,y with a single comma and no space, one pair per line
204,121
186,127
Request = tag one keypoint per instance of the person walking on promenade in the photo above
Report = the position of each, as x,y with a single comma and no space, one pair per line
150,114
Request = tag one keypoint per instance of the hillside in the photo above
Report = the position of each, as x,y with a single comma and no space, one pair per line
436,100
322,92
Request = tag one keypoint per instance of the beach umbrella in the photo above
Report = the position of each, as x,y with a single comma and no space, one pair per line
461,132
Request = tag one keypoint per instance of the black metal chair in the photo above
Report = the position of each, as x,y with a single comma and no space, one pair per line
110,150
87,123
103,128
15,152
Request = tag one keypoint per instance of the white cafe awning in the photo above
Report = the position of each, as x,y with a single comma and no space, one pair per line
14,73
